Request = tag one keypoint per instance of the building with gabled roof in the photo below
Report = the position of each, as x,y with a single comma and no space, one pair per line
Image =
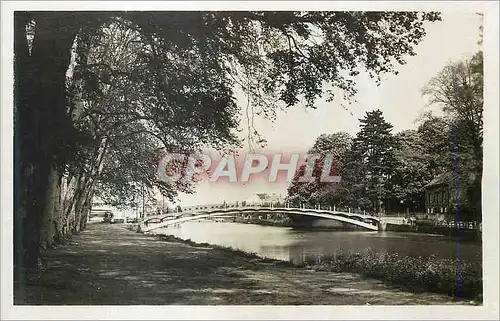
440,194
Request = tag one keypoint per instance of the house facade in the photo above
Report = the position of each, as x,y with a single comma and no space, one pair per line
439,194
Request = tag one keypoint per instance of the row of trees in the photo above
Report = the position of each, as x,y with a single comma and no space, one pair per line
99,96
382,171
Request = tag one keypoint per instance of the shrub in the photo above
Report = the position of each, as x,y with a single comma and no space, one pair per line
457,278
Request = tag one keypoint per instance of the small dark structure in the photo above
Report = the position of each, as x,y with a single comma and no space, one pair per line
108,217
440,194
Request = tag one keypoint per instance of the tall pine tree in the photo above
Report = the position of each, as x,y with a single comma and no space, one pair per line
371,163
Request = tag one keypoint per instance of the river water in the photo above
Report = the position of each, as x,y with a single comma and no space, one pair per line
296,245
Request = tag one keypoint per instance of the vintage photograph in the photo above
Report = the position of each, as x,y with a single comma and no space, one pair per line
248,157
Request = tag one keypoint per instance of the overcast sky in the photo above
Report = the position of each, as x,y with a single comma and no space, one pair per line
399,97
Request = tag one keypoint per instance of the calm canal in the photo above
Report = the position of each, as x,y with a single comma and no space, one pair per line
296,245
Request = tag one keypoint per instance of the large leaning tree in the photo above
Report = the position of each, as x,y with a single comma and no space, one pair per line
150,82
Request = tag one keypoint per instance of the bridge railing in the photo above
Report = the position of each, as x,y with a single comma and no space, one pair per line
282,204
285,204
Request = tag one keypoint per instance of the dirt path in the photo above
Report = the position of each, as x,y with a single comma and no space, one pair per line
107,264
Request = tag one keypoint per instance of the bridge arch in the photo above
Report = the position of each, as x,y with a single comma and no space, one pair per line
156,222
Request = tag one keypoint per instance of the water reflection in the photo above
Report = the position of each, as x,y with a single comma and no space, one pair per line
297,245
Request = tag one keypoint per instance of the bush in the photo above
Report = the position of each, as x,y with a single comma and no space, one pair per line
460,279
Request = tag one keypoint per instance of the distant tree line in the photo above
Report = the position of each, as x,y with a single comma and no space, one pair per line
386,172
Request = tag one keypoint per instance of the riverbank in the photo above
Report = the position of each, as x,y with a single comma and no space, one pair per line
457,279
110,265
462,234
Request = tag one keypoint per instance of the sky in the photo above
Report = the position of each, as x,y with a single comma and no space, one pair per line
399,97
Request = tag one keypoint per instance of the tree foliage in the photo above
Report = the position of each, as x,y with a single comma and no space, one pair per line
458,91
143,110
413,169
337,145
180,84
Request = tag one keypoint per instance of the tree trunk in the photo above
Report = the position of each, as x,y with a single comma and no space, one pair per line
80,195
42,121
64,200
21,86
47,231
86,212
86,185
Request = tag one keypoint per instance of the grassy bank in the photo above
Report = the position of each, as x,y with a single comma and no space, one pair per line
227,249
461,280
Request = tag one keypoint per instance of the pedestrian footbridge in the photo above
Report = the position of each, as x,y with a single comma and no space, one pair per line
201,212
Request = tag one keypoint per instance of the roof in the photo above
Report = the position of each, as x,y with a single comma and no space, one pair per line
442,179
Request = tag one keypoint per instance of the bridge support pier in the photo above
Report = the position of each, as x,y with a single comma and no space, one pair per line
382,226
